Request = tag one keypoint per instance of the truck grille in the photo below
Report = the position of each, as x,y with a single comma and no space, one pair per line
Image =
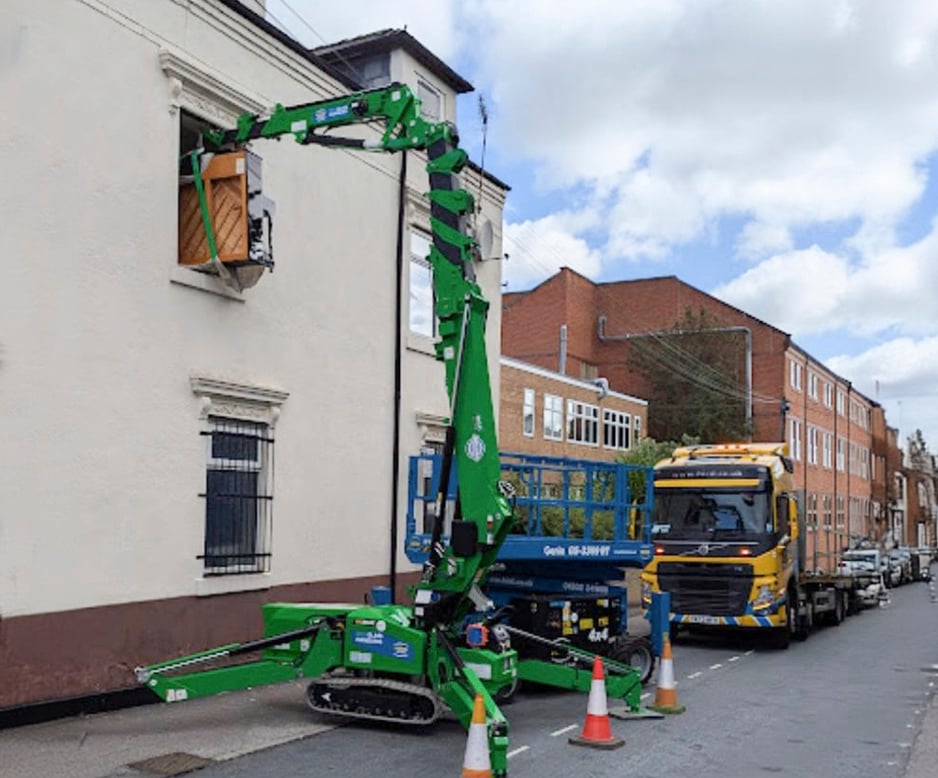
714,589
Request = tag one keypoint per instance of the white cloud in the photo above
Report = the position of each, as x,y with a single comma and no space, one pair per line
539,248
814,291
792,112
759,238
902,374
798,292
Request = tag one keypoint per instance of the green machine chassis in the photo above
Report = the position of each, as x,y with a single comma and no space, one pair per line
394,662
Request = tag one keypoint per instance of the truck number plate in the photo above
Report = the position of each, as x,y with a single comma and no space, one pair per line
702,619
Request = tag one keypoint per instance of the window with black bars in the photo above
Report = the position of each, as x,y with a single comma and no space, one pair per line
238,497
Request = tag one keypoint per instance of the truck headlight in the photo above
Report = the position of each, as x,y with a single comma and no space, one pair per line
764,598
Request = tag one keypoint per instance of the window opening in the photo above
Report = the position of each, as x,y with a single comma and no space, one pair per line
238,496
582,423
422,301
431,101
553,417
527,422
616,429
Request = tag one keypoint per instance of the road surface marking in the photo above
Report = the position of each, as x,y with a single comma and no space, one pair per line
734,659
646,695
516,752
565,729
694,675
717,666
747,653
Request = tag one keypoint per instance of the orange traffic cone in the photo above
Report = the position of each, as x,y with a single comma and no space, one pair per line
476,763
597,733
666,691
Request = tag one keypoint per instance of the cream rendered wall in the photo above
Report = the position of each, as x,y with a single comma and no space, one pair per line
103,461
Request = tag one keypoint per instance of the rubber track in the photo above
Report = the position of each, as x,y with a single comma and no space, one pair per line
347,682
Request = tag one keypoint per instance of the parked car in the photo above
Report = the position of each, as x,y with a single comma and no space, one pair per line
870,587
921,564
900,564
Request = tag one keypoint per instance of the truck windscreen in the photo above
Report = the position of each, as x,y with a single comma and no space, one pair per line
710,514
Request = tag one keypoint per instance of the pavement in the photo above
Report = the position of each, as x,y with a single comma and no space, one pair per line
216,728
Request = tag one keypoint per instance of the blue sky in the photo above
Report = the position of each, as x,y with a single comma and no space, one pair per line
782,156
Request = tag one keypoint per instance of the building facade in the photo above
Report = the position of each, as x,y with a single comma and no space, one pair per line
584,329
180,451
550,414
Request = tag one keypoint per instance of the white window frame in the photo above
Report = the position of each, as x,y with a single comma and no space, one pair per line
553,417
582,423
527,413
617,429
812,385
421,308
636,430
841,454
827,450
841,402
794,375
812,445
828,394
426,89
794,433
235,401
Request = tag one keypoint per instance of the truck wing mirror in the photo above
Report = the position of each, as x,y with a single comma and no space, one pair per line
464,539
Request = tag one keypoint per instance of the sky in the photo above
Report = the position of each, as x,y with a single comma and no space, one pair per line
780,155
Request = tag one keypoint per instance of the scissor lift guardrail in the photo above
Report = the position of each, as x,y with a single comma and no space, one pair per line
578,523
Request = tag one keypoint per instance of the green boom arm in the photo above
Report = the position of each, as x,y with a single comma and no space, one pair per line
449,586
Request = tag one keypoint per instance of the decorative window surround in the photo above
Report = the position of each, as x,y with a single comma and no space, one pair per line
202,93
432,427
194,88
249,402
235,400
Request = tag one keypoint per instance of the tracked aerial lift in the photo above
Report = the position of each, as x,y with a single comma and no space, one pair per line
407,663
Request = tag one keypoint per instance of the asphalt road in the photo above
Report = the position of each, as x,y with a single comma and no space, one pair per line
848,702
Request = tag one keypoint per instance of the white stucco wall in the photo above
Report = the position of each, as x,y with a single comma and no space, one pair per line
102,461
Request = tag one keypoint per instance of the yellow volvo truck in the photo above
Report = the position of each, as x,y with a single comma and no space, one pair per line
729,544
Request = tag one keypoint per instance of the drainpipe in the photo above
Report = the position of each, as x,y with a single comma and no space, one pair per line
604,338
398,341
562,367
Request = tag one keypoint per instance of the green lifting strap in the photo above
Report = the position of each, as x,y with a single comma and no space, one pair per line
195,157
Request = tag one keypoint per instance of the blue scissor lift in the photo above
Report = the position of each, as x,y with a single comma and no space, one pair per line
578,524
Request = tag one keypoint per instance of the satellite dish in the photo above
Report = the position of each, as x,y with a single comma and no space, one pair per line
486,239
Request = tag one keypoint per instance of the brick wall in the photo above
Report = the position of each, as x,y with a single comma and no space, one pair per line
515,380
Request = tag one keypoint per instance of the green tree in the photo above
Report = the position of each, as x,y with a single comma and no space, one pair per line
696,370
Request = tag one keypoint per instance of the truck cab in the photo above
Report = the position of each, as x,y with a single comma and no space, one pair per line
725,535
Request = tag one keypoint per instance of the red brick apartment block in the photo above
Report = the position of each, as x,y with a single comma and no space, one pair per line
581,329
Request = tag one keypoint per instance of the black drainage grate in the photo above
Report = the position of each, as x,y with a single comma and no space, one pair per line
172,764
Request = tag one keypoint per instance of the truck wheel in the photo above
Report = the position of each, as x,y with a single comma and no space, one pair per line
840,610
634,651
803,625
781,637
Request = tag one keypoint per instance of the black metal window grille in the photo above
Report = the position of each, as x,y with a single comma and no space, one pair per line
238,497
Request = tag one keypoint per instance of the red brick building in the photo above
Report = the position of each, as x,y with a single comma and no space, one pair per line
582,329
547,413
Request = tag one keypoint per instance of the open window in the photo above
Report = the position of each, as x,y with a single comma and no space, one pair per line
225,220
